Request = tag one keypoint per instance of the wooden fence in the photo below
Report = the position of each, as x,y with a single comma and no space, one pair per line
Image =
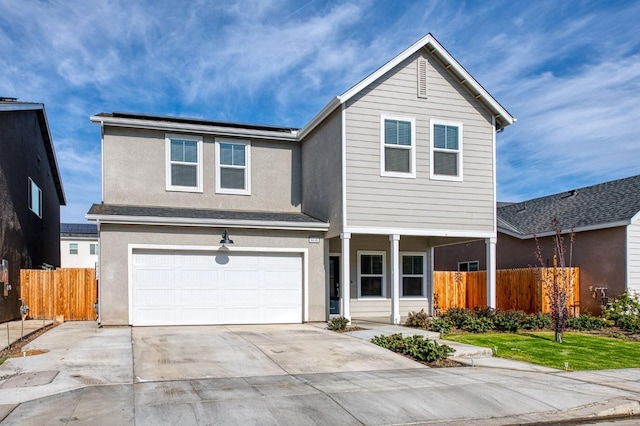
68,292
516,289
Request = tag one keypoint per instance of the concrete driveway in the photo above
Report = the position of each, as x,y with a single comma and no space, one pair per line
292,374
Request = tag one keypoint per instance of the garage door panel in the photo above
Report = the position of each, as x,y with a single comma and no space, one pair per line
195,288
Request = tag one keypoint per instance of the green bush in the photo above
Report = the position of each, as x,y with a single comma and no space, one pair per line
477,325
458,316
418,319
587,322
338,324
622,307
442,325
629,323
538,321
484,312
509,321
416,346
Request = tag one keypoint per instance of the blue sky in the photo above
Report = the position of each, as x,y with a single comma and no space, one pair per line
568,70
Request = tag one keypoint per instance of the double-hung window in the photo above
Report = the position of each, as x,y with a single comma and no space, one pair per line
413,278
184,163
233,166
446,150
398,147
73,248
371,274
35,198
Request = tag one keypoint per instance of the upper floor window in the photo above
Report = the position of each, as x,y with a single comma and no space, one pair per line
371,274
184,163
397,147
35,198
233,166
446,150
93,248
413,279
73,248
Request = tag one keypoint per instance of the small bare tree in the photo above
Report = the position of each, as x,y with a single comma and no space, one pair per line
557,283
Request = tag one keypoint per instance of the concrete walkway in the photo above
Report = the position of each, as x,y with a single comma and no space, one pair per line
290,374
13,331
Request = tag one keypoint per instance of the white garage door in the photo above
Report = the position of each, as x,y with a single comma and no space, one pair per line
197,288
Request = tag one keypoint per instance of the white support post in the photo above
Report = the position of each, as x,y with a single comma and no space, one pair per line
345,275
491,272
395,278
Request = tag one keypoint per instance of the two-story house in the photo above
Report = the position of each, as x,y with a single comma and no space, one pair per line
206,222
79,245
31,194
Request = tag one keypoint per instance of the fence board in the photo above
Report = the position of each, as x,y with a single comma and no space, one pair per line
516,289
70,292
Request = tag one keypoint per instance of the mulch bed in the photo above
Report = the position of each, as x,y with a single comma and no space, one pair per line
16,347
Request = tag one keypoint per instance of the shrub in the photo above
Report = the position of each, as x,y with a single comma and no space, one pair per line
621,306
418,319
338,324
587,322
629,323
484,312
477,325
442,325
457,316
510,321
416,346
538,321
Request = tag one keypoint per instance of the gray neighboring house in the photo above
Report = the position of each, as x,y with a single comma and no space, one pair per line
606,222
208,222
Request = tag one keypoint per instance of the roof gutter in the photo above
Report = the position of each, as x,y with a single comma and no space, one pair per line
565,230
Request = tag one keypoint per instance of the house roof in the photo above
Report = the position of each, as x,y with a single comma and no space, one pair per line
428,42
113,213
10,104
605,205
78,230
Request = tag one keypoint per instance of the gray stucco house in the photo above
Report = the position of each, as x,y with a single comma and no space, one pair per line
339,217
605,219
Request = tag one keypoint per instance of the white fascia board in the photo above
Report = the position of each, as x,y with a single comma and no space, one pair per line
434,47
227,223
193,128
565,230
419,232
319,117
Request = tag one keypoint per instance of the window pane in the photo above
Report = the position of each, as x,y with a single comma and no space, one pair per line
452,137
238,155
412,265
397,160
418,265
177,150
183,175
412,286
365,264
407,265
463,267
231,178
439,136
404,133
391,132
445,163
474,266
226,154
190,151
376,264
371,286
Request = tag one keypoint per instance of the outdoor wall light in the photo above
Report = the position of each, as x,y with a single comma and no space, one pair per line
225,238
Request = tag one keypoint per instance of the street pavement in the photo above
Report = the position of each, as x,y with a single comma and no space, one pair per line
286,374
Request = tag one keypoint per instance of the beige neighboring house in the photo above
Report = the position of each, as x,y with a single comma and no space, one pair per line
208,222
79,245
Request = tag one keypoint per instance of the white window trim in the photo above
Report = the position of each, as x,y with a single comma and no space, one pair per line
458,151
383,172
247,167
469,262
30,198
199,172
384,274
424,275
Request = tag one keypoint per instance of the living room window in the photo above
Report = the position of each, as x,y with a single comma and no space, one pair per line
397,147
413,275
371,274
73,248
446,150
184,163
233,166
35,198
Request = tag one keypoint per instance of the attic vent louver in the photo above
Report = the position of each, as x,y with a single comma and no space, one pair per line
422,77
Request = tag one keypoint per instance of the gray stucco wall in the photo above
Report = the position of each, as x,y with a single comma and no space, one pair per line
114,261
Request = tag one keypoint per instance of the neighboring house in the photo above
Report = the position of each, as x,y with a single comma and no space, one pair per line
337,218
79,245
605,219
31,194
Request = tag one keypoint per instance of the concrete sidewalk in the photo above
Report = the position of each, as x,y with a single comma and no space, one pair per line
291,374
13,331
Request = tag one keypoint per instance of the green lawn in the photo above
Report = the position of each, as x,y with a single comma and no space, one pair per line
581,351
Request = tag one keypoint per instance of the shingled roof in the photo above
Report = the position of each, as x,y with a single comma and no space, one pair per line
604,205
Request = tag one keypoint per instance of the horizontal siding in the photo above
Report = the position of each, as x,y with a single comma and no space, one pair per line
413,305
373,200
633,257
381,308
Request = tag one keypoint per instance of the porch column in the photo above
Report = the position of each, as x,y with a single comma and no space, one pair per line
395,278
491,272
345,275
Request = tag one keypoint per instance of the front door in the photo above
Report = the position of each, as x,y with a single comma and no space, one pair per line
334,285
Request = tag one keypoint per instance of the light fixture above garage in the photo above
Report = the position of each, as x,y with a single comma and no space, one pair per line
225,238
